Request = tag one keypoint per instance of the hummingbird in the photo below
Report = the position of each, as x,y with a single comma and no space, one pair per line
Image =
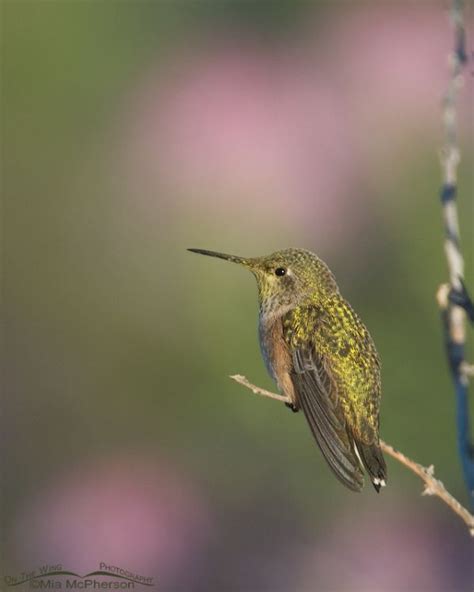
322,359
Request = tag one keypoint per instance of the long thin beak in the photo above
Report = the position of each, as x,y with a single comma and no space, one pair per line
232,258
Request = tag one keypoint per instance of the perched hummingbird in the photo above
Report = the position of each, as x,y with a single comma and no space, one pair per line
322,358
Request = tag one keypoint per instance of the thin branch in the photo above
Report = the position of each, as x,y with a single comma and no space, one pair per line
257,390
453,299
433,486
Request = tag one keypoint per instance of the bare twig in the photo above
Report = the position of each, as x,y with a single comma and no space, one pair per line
257,390
433,486
453,299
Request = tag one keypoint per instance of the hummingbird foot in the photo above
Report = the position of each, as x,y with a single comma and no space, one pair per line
292,406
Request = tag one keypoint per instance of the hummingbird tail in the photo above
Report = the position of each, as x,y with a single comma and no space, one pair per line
374,463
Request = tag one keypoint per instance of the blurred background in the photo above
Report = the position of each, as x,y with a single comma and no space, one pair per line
132,130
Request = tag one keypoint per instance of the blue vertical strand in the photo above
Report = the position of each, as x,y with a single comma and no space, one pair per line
459,296
455,354
464,445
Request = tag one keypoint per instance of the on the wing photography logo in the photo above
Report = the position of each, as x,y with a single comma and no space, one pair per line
55,577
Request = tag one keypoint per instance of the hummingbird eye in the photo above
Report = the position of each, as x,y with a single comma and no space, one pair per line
280,271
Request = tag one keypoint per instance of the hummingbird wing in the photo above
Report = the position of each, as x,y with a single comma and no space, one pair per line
318,394
336,375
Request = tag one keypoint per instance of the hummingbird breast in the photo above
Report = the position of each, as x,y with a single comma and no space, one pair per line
276,354
265,346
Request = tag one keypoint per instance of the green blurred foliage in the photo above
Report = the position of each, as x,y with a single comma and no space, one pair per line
118,339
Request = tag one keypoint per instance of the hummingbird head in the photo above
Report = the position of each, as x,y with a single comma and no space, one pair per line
285,278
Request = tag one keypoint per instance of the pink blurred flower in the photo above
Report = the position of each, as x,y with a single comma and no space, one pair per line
393,69
396,550
126,511
294,132
242,120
